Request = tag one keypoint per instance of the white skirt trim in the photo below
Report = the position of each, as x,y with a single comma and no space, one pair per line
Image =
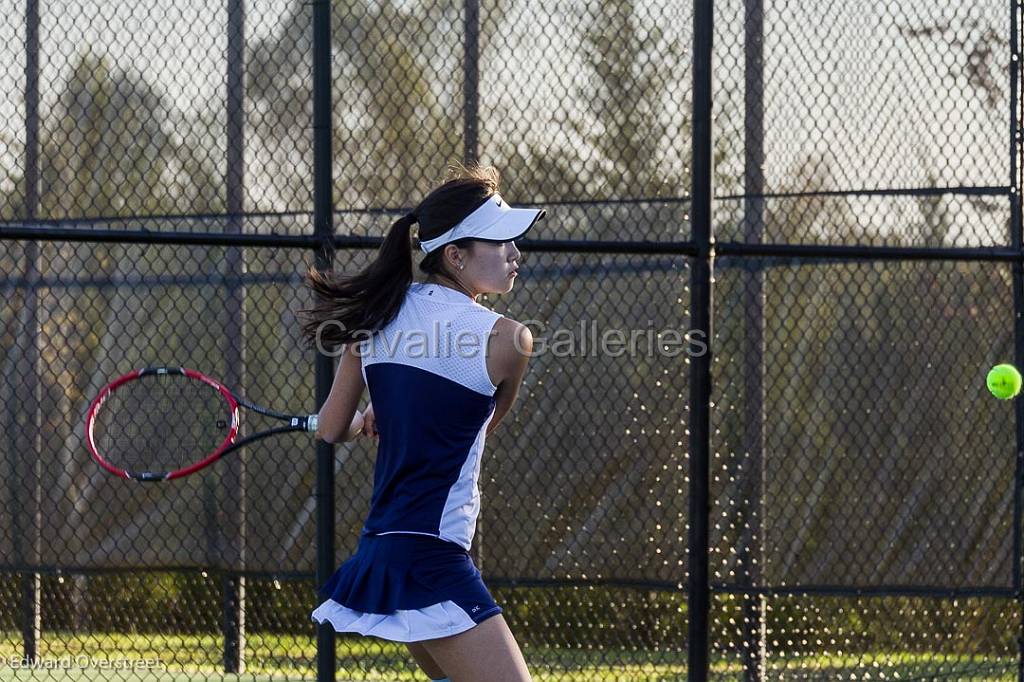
437,620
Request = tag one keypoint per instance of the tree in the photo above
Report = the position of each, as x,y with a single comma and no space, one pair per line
396,111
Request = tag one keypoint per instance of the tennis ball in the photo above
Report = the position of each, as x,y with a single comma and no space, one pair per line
1004,381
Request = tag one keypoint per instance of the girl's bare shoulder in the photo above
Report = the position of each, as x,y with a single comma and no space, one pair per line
511,339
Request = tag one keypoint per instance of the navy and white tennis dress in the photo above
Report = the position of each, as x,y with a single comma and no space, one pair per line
412,577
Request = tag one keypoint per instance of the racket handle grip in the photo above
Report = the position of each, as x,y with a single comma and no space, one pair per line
312,422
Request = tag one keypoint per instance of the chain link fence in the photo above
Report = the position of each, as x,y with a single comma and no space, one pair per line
157,207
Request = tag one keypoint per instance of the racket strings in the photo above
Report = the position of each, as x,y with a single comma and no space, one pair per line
161,423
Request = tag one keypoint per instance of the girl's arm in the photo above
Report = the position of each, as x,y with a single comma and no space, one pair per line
510,348
340,421
370,422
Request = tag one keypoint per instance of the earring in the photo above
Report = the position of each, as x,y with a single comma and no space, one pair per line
461,265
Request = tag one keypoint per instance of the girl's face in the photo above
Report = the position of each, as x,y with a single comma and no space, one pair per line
489,266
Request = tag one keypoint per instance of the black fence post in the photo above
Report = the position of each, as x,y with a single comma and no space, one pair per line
323,227
28,451
751,550
235,474
471,81
471,154
700,322
1016,186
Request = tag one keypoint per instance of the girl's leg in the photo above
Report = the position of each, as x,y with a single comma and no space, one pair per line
486,652
425,661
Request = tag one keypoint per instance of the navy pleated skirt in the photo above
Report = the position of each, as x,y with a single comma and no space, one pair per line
406,588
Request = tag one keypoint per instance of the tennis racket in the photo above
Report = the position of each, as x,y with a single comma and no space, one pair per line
162,423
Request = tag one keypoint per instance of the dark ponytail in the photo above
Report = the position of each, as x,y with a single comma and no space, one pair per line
349,307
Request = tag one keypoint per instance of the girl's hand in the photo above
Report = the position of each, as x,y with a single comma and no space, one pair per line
369,422
356,427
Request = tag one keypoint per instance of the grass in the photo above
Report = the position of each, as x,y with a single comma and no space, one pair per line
289,657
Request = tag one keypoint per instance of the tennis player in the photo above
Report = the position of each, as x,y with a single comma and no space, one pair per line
442,371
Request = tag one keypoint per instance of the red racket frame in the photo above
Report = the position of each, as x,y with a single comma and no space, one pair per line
296,423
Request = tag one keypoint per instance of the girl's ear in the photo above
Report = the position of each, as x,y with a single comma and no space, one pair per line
453,255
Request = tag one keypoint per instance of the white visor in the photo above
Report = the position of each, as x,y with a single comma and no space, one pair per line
494,221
